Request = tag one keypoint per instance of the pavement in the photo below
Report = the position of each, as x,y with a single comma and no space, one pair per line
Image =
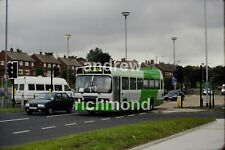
206,137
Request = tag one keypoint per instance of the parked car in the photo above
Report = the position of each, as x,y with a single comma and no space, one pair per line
172,95
205,91
223,89
49,102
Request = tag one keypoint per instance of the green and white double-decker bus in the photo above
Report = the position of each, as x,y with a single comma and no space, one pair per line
101,88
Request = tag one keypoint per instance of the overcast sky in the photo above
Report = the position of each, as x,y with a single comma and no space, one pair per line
40,25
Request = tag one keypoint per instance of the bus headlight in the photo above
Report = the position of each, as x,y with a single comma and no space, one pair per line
41,105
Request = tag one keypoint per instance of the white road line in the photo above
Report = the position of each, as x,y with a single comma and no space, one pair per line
90,121
120,117
19,132
131,115
104,119
61,115
142,113
50,127
70,124
11,120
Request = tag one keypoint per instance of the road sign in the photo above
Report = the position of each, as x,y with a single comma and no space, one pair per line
174,81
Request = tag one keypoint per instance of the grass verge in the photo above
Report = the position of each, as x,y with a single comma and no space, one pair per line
11,110
121,137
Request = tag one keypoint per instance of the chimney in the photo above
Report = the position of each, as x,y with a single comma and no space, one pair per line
11,49
152,61
40,53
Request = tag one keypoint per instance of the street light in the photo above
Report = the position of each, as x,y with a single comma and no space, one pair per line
6,47
125,14
206,55
174,54
68,53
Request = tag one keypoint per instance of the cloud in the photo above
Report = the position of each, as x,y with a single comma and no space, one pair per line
41,25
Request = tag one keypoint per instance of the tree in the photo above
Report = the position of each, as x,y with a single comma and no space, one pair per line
97,55
39,71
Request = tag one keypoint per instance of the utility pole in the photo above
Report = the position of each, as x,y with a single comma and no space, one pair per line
6,47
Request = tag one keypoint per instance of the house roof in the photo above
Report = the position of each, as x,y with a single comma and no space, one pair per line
70,61
46,58
166,67
19,56
127,64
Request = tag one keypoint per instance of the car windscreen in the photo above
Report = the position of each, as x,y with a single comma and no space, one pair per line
93,84
45,96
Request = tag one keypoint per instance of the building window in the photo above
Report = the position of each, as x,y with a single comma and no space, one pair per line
20,72
44,64
21,63
49,65
27,72
2,63
26,63
32,64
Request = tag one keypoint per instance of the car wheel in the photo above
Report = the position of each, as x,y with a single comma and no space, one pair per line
29,112
50,111
69,110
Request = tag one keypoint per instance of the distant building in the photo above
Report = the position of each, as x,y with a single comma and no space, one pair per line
133,64
148,64
71,61
167,69
25,62
44,61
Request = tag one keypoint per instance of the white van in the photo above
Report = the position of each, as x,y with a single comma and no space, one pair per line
26,87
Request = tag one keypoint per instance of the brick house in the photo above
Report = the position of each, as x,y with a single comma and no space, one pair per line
44,61
133,64
72,62
25,62
167,69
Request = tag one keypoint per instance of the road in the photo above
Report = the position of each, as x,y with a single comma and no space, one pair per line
19,128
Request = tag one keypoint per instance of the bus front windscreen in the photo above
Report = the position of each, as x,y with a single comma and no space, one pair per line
93,84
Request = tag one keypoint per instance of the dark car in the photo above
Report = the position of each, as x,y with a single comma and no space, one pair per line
172,95
49,102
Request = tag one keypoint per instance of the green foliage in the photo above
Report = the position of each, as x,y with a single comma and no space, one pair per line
121,137
39,71
97,55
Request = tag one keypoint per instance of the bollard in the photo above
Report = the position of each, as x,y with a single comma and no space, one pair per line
179,102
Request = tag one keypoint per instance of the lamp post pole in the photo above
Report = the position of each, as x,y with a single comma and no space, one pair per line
68,53
206,55
6,47
174,50
125,14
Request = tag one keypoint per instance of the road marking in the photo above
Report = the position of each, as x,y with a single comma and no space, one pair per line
61,115
19,132
131,115
70,124
104,119
11,120
119,117
50,127
142,113
90,121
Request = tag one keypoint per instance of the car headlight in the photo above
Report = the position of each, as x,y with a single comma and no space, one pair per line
41,105
27,105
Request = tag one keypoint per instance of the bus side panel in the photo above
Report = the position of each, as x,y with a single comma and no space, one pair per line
145,94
